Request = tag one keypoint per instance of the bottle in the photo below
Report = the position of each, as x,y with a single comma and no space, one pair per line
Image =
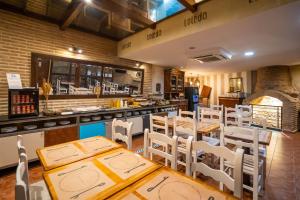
121,103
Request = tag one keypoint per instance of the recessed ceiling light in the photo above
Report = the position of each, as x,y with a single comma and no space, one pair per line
137,64
249,53
79,50
71,49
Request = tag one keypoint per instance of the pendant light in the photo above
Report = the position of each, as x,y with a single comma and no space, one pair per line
191,82
197,82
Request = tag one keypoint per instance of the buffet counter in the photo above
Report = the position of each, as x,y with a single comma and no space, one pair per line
43,131
9,127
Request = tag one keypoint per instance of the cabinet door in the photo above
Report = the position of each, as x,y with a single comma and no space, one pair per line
90,130
173,82
146,122
180,83
32,142
137,126
62,135
9,153
108,132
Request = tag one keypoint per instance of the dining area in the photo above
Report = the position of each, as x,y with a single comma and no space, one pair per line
175,153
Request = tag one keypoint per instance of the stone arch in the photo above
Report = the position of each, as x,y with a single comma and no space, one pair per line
289,107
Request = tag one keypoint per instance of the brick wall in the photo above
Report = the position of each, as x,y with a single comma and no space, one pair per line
20,35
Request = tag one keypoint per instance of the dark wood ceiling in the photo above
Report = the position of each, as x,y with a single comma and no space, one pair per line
114,19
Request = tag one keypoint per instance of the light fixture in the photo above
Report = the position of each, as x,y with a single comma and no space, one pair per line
137,64
191,80
70,49
249,53
74,49
88,1
197,81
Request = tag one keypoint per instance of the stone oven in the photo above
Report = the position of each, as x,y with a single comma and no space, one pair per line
275,99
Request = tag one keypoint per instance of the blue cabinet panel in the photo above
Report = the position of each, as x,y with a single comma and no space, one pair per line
90,130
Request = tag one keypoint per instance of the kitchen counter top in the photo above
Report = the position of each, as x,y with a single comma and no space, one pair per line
5,118
74,119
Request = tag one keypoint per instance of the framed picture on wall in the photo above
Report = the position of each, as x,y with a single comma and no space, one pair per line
236,85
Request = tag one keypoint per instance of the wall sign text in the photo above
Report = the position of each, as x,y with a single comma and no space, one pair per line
126,45
194,19
154,34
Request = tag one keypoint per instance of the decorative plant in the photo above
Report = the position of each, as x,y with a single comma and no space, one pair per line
97,90
46,88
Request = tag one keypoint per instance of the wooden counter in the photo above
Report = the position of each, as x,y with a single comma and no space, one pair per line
230,101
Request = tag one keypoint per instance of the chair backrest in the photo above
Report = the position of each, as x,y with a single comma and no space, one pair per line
185,126
127,138
253,136
187,114
217,107
200,110
169,153
244,113
20,146
22,179
212,116
159,124
231,117
245,108
234,183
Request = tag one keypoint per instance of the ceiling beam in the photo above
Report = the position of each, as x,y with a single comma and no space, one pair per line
24,6
185,3
72,12
123,11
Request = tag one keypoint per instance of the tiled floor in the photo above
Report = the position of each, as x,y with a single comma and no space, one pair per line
283,170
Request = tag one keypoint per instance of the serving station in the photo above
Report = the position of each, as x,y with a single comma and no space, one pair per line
46,131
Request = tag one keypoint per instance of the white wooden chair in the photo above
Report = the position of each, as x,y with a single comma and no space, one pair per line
159,124
184,127
117,135
186,130
23,190
20,146
187,114
233,183
244,113
252,165
217,107
199,111
211,116
231,117
169,154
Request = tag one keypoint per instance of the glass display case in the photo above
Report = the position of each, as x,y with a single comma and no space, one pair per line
23,102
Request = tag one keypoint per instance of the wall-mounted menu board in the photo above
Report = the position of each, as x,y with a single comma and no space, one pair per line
73,78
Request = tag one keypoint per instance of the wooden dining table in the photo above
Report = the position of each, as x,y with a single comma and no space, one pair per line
66,153
264,136
203,128
166,183
121,174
